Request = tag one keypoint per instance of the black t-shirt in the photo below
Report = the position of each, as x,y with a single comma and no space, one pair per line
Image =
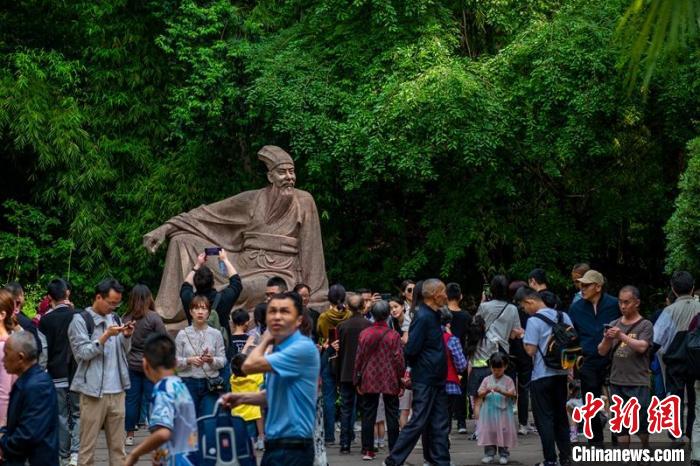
237,343
460,323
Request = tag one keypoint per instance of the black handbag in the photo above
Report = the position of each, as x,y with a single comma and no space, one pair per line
215,384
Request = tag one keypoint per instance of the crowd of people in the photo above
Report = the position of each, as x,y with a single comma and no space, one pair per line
413,368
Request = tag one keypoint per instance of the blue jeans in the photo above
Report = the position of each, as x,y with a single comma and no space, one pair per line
68,422
204,400
329,389
140,387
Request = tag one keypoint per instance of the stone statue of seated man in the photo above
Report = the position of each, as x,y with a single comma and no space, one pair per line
270,231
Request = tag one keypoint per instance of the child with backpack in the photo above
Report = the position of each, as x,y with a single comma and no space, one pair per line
173,422
497,428
252,415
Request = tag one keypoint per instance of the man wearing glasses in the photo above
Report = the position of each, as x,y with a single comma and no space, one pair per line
100,344
589,315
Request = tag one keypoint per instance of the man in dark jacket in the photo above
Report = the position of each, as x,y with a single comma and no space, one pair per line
55,326
589,315
425,354
31,433
348,339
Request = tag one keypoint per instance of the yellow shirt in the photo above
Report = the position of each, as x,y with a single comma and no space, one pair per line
247,383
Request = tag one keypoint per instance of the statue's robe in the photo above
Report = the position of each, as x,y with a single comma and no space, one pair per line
289,246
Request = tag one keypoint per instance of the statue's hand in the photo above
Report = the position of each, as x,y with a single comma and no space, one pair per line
153,240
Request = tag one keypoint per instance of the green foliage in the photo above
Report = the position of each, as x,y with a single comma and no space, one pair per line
437,137
682,228
656,28
28,247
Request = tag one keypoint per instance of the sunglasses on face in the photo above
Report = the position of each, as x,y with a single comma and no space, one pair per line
409,290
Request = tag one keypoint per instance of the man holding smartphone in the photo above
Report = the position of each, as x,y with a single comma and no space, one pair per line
100,344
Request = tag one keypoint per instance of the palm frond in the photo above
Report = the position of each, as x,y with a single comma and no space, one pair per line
654,28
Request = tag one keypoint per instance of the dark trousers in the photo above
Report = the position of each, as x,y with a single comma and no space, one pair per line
453,404
140,387
460,410
348,401
370,403
677,382
429,415
549,396
288,457
329,391
523,395
592,375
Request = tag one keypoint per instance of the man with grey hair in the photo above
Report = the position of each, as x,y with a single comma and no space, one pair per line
425,354
348,339
31,434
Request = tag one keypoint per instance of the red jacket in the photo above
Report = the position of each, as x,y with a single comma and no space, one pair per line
382,370
452,375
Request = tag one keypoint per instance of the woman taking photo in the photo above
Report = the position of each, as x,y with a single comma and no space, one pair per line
141,310
200,355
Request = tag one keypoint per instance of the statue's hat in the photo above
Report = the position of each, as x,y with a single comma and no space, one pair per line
273,156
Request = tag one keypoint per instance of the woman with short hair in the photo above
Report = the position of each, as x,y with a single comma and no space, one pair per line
200,355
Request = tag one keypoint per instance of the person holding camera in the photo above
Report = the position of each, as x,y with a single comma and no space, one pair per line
200,282
200,355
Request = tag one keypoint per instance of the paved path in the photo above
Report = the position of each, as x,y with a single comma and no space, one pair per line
464,452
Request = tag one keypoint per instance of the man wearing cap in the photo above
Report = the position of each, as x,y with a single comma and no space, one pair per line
589,315
270,231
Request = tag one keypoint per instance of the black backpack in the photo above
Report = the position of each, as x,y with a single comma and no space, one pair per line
692,348
563,346
90,326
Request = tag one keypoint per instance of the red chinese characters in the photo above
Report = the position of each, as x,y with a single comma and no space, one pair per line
587,412
665,415
624,415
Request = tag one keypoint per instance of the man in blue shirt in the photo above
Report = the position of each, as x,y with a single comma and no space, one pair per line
425,354
547,386
292,370
589,316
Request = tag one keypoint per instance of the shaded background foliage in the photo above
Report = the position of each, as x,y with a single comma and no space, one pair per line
442,138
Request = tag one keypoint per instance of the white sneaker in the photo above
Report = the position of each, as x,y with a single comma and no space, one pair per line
487,459
129,441
462,430
73,459
523,430
503,460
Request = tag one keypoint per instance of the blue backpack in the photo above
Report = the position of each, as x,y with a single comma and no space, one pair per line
224,440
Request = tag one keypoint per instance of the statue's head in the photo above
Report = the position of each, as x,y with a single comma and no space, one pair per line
280,168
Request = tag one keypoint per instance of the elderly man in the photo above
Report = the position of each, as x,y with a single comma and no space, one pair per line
425,353
31,434
270,231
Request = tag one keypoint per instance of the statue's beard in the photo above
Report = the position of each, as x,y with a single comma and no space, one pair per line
281,201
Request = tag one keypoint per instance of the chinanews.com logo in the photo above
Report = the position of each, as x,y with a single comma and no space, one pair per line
662,415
